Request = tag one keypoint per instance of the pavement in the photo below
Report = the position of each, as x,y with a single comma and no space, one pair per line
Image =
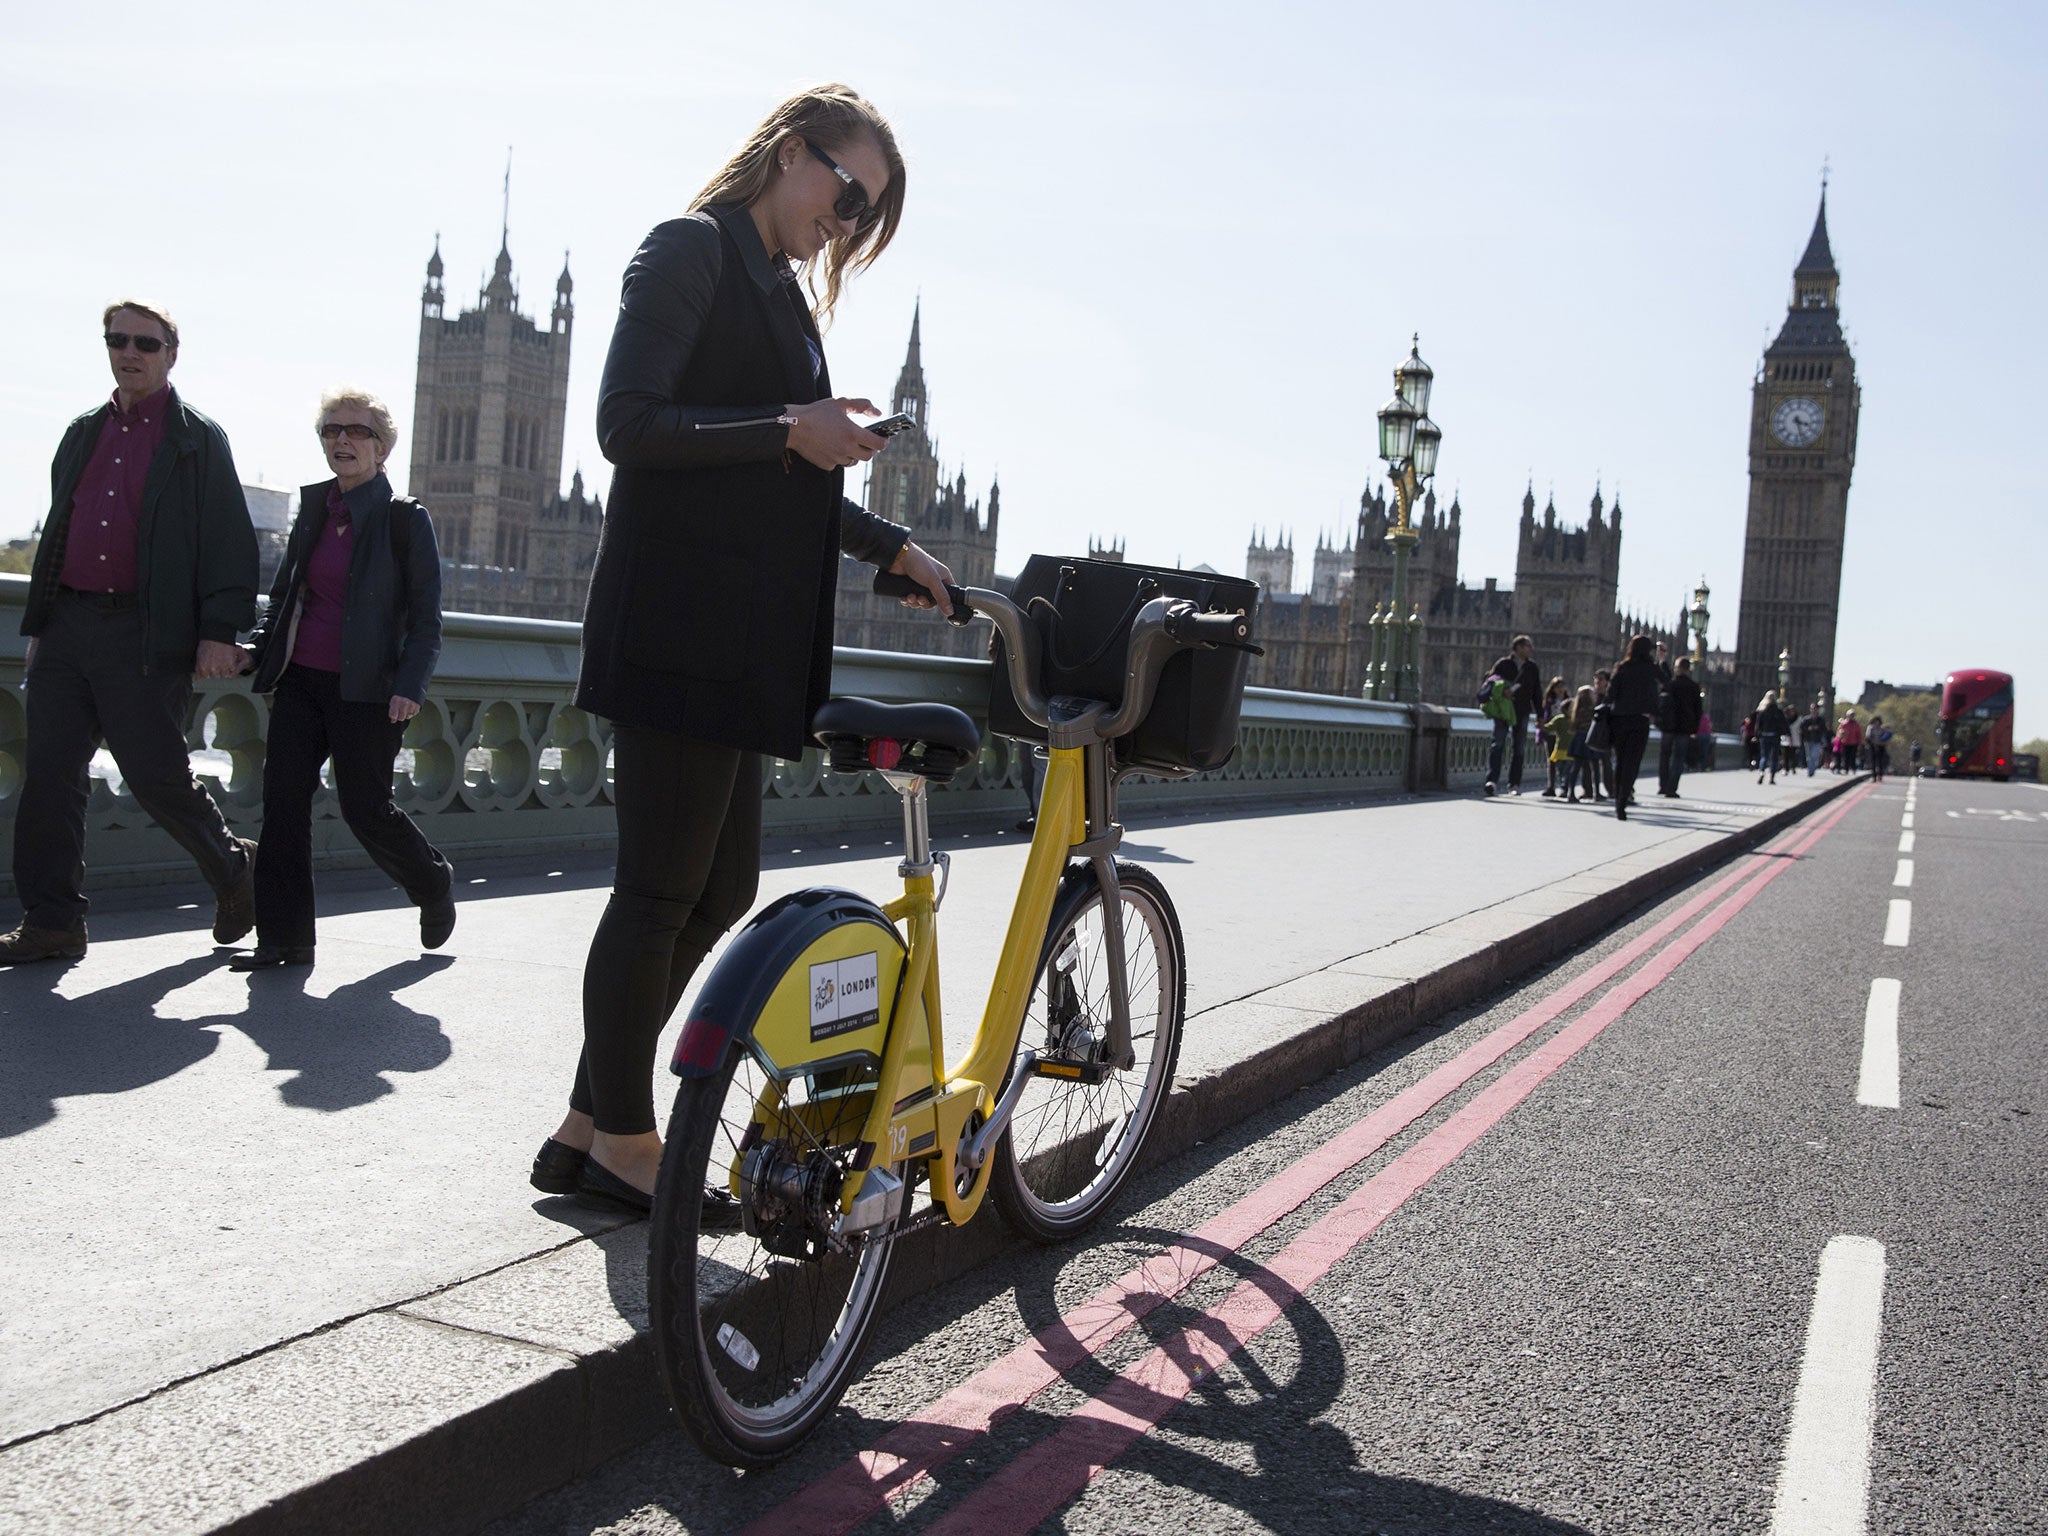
274,1264
1580,1276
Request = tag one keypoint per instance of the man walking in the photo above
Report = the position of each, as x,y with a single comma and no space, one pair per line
1519,668
1680,722
146,572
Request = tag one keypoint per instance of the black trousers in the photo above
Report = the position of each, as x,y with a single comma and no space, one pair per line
309,723
689,864
1671,761
87,687
1631,738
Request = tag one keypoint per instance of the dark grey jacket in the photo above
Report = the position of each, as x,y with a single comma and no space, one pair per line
195,549
391,623
710,608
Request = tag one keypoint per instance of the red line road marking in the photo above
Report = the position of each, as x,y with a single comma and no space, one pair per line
1042,1480
911,1452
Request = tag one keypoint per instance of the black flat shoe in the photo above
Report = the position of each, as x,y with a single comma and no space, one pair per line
437,920
264,956
556,1167
602,1190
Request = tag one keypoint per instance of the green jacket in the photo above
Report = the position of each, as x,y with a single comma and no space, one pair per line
195,550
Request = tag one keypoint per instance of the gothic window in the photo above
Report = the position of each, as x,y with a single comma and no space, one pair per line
469,444
441,435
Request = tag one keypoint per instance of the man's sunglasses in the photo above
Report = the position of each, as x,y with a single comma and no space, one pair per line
355,431
852,203
119,341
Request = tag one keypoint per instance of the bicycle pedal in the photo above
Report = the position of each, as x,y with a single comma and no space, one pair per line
1090,1072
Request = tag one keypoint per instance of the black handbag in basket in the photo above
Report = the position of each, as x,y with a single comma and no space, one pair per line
1083,611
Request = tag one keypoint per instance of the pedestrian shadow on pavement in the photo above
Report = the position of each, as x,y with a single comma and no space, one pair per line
341,1046
110,1041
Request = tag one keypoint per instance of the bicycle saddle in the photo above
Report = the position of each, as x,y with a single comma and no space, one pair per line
933,741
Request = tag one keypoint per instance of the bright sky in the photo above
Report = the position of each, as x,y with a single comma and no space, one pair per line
1169,254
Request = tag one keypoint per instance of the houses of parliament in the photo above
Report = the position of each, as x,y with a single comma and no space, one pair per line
490,410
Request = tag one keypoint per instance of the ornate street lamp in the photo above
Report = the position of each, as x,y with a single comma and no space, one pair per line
1699,629
1784,671
1408,442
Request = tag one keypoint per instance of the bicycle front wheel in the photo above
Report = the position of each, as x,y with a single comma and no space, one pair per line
758,1318
1074,1140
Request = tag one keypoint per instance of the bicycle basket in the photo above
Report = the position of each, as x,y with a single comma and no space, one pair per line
1083,610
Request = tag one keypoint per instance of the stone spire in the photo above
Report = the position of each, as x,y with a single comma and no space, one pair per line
910,397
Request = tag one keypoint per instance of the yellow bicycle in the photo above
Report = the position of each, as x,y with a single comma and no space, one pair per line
818,1120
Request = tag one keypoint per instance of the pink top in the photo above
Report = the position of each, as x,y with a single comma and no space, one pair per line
106,509
318,641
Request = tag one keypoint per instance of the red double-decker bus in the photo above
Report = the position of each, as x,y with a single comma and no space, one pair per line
1976,725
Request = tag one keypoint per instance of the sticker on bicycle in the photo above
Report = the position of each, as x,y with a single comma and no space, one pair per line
845,995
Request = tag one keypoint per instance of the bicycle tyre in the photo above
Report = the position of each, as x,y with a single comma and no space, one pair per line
805,1320
1071,1146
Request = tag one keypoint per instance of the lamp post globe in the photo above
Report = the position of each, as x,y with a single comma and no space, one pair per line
1414,377
1397,430
1428,438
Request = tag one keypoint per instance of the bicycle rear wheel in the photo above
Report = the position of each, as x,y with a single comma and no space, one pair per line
758,1319
1074,1141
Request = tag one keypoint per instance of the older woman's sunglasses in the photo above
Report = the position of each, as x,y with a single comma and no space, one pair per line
355,431
852,203
119,341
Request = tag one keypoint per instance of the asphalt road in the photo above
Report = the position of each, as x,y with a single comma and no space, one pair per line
1580,1284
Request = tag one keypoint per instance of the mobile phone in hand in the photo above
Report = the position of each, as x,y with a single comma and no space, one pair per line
889,426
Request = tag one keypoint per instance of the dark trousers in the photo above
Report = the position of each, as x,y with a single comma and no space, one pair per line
1505,735
87,687
309,723
1631,739
1767,758
1671,761
689,818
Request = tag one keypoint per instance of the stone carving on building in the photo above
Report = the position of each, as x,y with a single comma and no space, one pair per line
1563,598
490,406
1802,448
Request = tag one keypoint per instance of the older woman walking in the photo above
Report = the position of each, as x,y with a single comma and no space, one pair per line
347,646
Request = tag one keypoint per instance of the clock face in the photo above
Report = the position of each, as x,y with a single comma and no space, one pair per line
1796,422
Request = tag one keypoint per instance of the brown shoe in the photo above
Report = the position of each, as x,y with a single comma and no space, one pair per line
26,944
234,910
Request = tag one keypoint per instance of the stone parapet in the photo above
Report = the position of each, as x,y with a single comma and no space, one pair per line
500,761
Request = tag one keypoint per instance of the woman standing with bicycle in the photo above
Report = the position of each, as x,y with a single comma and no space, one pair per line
707,639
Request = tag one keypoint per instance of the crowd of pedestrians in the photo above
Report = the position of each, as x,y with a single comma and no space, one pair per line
1593,735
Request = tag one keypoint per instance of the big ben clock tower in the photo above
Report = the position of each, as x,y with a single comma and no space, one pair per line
1802,447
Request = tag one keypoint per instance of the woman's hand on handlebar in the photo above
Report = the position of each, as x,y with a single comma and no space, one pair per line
826,433
928,573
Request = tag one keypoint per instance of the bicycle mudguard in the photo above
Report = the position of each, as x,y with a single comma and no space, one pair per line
810,983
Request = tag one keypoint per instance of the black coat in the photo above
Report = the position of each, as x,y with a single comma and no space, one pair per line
391,620
1682,706
1636,690
710,608
195,553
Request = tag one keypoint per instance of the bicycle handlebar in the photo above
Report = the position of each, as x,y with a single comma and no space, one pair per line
1162,627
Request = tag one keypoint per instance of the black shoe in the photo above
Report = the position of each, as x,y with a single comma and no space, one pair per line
264,956
602,1190
1621,810
234,909
437,920
556,1168
1028,824
26,944
1489,786
720,1212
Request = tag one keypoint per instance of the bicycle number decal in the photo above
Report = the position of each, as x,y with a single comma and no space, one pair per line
899,1143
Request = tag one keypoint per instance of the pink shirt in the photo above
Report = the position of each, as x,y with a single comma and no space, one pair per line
318,641
106,509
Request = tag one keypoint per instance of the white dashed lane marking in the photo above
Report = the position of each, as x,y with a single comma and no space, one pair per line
1898,923
1877,1084
1906,820
1905,875
1824,1484
1905,842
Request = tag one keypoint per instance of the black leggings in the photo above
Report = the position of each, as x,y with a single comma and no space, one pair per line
689,817
1631,735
